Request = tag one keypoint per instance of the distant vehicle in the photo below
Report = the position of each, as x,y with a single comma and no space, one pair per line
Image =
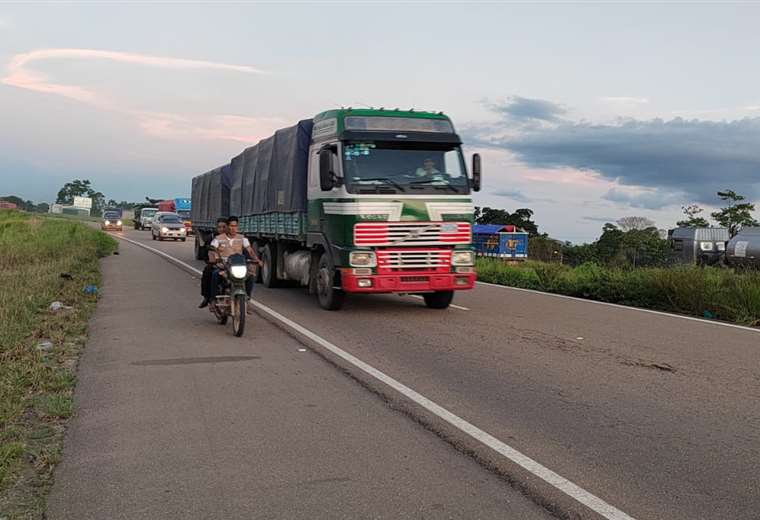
111,220
352,201
168,225
7,205
500,241
700,246
145,219
180,206
744,249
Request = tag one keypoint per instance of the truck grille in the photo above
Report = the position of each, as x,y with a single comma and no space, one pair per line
411,233
416,259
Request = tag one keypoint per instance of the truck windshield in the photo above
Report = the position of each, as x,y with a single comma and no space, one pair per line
111,215
184,213
385,167
148,212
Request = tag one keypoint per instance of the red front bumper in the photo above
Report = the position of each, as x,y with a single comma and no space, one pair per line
411,282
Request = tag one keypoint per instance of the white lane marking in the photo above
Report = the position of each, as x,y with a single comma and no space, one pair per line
619,306
574,491
451,305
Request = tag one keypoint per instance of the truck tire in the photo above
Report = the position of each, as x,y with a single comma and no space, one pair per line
328,296
438,299
269,269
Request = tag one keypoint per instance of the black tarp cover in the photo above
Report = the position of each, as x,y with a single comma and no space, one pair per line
275,171
211,195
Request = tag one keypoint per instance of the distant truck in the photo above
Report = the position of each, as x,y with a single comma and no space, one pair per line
698,245
352,201
145,218
111,219
500,241
743,250
180,206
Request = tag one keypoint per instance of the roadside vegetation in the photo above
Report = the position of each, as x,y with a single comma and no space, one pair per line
705,292
42,260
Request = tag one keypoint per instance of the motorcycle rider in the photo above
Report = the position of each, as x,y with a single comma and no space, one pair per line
208,270
230,243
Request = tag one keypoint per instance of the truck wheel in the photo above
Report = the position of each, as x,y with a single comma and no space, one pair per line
438,299
328,296
269,269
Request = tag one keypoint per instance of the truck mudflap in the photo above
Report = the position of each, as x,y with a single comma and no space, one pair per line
405,282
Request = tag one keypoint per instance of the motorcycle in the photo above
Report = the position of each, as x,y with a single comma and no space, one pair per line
231,298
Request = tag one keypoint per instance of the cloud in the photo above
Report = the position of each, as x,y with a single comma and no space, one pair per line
512,194
603,220
530,110
625,100
225,127
18,75
172,126
692,157
647,200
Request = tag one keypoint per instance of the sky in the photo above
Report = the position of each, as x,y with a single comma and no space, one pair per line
584,113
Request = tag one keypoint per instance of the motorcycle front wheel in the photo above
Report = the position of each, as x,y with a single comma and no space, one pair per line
238,315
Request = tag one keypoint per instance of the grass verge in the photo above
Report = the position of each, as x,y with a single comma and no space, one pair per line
705,292
39,348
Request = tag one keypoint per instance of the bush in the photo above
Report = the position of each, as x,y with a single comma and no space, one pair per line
705,292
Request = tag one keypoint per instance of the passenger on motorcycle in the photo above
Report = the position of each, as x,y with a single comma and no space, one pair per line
208,270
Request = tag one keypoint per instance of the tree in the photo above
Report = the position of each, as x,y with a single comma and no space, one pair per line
75,188
634,223
736,214
26,205
692,220
522,218
42,207
82,188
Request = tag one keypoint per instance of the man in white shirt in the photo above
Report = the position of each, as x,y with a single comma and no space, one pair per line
231,243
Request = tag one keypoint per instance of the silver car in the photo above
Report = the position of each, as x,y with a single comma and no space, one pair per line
168,225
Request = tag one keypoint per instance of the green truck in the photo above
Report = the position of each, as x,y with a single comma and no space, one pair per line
352,201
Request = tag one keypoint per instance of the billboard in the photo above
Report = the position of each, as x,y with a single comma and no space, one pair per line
83,202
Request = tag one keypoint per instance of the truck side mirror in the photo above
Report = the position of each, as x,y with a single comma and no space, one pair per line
476,172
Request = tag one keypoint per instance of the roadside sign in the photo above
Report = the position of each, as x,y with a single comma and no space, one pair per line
83,202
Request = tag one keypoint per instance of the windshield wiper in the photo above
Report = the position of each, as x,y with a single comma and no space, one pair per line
385,180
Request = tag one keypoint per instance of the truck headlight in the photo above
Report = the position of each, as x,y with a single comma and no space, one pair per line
164,230
362,259
118,222
462,258
721,246
239,271
706,246
108,222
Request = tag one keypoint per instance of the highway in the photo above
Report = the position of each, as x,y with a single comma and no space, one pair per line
655,416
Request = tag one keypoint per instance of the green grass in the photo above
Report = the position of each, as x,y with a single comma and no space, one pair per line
36,386
706,292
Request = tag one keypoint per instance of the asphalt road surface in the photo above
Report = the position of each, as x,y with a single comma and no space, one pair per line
659,416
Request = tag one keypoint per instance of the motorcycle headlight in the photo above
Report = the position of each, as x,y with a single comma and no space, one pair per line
118,222
164,229
462,258
362,259
239,271
706,246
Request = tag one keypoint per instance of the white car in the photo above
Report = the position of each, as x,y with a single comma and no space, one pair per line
168,225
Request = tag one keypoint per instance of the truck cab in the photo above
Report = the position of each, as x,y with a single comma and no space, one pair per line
390,198
146,218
